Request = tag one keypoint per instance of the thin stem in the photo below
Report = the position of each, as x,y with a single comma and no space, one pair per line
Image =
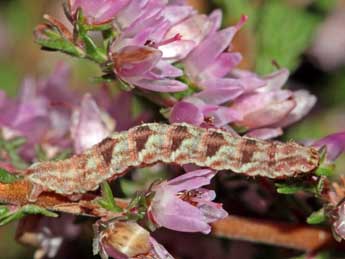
296,236
300,237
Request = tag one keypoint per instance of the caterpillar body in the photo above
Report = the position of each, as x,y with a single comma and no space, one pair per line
177,143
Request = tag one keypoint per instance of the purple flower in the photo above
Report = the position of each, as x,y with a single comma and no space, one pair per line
37,116
124,240
47,111
180,204
261,111
264,109
90,125
208,64
97,11
137,54
334,143
124,117
143,67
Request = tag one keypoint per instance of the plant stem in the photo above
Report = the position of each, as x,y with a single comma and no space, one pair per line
296,236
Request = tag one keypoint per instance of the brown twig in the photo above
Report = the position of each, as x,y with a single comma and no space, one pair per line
296,236
16,194
300,237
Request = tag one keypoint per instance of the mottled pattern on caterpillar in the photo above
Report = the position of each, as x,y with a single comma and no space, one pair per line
177,143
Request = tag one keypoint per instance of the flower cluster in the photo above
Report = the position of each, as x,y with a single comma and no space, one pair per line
51,116
166,46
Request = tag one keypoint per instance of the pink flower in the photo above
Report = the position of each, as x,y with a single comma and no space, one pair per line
90,125
137,56
97,11
208,65
334,143
39,113
138,242
180,204
264,109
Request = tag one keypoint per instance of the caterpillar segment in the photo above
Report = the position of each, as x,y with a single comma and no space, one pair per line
180,144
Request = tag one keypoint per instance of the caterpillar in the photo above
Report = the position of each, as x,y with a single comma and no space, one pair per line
176,143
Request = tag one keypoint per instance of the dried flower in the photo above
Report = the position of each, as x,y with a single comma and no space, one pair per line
182,205
123,240
339,223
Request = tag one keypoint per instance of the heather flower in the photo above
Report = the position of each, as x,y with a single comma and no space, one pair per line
138,60
334,143
38,114
142,66
49,114
196,111
182,205
152,38
90,125
269,108
96,12
191,27
208,65
123,240
261,111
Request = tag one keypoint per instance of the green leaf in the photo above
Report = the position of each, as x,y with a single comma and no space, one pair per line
6,177
51,39
284,188
317,217
8,217
11,148
325,170
320,255
3,210
108,200
93,52
34,209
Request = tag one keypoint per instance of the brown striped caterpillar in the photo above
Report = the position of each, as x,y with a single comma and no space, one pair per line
177,143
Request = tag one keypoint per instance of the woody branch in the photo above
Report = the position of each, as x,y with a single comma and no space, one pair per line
300,237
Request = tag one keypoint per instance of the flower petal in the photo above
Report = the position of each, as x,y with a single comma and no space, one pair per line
335,144
265,133
89,127
209,50
186,112
162,85
304,103
135,60
223,64
178,215
216,96
160,251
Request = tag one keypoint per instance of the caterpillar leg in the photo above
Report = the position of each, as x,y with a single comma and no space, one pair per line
75,197
34,192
